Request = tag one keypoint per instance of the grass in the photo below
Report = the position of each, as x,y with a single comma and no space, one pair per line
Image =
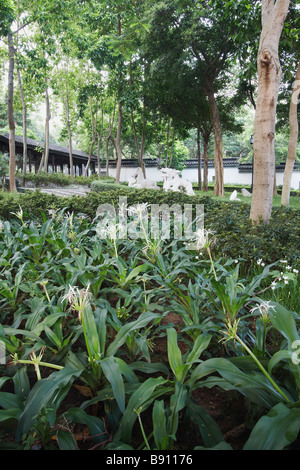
294,200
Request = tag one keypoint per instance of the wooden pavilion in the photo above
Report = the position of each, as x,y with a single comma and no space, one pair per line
59,159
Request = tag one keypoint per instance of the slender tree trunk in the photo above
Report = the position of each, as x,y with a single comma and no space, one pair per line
168,143
205,160
67,114
10,115
99,140
94,134
24,113
117,142
47,130
293,139
138,152
199,160
217,131
172,148
269,75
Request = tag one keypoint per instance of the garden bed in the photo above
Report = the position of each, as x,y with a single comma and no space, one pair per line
130,344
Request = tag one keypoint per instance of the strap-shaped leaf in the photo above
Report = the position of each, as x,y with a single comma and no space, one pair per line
113,374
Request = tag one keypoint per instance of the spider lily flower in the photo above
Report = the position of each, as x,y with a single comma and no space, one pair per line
263,309
78,299
203,239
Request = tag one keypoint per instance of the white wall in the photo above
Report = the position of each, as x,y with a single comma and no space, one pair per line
231,175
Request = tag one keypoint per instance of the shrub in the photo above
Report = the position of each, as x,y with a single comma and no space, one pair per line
235,235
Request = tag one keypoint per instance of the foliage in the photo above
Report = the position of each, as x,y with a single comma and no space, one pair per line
85,311
237,238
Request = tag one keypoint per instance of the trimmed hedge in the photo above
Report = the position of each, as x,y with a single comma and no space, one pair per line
236,236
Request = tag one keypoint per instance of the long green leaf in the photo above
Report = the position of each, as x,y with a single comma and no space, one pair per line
113,374
141,398
275,431
210,431
253,385
120,339
96,425
159,425
174,354
66,440
46,391
283,320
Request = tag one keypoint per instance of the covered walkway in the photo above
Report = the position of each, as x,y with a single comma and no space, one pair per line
58,156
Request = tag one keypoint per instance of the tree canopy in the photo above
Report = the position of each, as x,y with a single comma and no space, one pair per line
134,78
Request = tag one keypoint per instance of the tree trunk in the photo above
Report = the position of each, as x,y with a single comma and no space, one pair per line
269,75
205,160
117,142
94,122
292,147
47,130
10,115
99,140
218,151
199,160
24,113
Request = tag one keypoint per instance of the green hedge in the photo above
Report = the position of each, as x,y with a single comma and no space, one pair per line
42,178
235,235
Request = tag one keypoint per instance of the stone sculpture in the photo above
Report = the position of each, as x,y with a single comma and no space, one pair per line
137,180
234,197
245,193
173,182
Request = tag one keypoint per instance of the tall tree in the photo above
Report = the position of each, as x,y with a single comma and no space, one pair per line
293,139
273,16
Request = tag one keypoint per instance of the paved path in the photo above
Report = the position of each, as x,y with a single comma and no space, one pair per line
64,192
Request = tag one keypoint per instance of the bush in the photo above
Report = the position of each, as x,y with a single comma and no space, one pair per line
235,235
42,179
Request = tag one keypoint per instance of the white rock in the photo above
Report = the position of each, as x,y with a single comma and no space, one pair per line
245,193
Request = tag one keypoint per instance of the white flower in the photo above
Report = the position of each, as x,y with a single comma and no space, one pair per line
259,261
295,271
78,299
203,239
263,308
140,209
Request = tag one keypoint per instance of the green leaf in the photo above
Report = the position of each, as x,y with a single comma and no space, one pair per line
210,431
50,391
276,430
66,440
113,374
283,320
141,398
120,339
159,425
96,425
174,353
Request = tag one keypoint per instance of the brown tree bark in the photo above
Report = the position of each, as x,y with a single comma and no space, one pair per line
199,160
10,115
218,151
47,130
269,76
24,114
293,139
